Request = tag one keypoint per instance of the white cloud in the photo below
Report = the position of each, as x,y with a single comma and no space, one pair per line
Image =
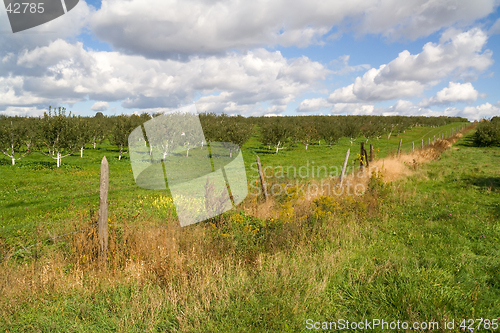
343,63
412,19
100,106
457,54
20,111
313,104
247,82
455,92
366,89
352,108
177,29
485,110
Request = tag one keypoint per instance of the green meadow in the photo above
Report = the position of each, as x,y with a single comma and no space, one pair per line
422,248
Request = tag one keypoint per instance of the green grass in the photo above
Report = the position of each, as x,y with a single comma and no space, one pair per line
38,194
426,248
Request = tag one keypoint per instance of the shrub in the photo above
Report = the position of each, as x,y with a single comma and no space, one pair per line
488,133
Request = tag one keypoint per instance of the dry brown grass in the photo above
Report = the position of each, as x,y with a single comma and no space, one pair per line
391,168
172,261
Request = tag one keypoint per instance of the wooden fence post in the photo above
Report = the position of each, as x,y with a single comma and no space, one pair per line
422,144
103,210
413,146
429,143
399,147
362,156
262,180
371,152
344,166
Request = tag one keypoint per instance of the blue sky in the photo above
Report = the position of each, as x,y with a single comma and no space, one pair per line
258,58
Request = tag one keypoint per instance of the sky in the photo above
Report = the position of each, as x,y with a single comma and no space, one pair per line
253,58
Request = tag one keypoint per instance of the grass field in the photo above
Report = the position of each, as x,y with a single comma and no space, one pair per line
425,247
36,194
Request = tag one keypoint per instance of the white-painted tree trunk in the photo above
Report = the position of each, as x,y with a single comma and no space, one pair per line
230,153
81,152
13,159
278,146
58,159
307,145
121,150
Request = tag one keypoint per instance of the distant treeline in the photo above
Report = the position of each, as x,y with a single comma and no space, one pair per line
58,134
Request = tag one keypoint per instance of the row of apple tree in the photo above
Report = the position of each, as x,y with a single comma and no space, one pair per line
59,134
278,132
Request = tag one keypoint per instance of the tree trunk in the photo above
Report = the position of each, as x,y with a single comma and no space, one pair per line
278,146
230,153
58,158
307,145
13,159
81,152
94,142
187,152
121,150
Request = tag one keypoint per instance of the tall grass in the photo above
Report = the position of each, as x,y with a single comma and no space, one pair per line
393,252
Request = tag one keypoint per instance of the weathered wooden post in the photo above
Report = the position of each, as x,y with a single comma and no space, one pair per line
262,180
413,146
362,156
399,147
422,144
366,157
103,210
429,143
344,166
371,152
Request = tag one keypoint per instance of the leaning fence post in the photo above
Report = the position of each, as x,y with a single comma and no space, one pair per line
399,147
103,210
262,181
344,166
